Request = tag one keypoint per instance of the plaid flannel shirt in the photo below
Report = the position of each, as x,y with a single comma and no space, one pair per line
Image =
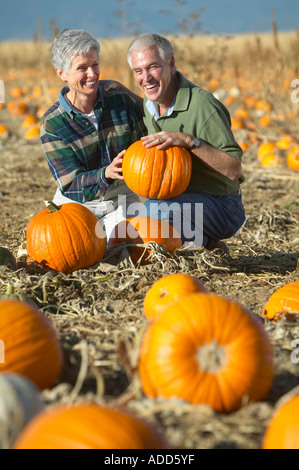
77,153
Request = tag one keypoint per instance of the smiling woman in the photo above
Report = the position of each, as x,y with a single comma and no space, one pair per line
82,79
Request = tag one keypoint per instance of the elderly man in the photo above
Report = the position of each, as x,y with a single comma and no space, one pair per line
177,112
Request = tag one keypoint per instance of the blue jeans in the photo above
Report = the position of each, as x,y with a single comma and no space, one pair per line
199,217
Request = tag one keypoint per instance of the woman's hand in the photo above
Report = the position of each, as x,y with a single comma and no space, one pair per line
166,139
114,170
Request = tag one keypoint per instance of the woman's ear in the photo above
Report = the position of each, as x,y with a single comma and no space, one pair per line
61,74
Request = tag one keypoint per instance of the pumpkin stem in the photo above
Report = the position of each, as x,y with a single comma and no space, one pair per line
165,292
52,207
211,357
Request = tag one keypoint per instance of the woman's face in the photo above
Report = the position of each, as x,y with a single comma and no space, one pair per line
83,75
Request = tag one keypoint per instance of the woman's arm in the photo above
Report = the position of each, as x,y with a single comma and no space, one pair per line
69,171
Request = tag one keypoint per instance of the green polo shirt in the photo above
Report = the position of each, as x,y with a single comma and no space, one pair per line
197,112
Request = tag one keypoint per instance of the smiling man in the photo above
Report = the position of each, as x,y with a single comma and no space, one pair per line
178,112
85,133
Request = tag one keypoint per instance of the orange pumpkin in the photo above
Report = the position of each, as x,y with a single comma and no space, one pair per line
3,131
264,148
263,105
31,346
140,230
88,426
250,101
237,123
293,158
33,132
156,174
28,121
168,290
284,142
18,108
16,92
283,302
65,238
241,113
283,430
207,350
265,120
269,160
244,145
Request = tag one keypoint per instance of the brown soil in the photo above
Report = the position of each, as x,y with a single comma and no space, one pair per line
98,314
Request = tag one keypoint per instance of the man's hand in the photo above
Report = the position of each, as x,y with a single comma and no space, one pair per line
114,170
166,139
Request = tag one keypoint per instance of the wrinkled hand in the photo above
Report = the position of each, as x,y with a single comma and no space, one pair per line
114,170
166,139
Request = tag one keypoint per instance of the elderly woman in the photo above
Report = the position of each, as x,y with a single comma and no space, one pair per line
85,133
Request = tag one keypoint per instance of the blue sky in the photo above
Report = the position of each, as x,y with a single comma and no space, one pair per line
19,19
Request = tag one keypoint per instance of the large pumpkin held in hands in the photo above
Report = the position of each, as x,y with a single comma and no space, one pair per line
206,349
88,426
65,238
157,174
31,346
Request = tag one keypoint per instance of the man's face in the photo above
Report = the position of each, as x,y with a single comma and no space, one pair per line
153,75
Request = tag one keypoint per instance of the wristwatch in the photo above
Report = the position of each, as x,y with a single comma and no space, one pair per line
196,143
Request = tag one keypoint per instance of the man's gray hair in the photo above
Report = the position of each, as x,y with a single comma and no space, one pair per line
147,40
69,44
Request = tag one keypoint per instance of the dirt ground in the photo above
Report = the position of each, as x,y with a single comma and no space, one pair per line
98,312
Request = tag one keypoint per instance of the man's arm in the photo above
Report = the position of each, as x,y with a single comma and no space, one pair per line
214,158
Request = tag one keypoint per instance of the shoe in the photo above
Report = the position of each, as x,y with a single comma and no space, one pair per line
218,245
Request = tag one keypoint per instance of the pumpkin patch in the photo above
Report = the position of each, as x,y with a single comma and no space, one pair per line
98,311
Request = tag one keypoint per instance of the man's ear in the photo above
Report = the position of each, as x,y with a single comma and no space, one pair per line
61,74
172,63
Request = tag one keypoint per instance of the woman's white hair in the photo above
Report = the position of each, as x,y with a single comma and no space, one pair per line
149,40
70,43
